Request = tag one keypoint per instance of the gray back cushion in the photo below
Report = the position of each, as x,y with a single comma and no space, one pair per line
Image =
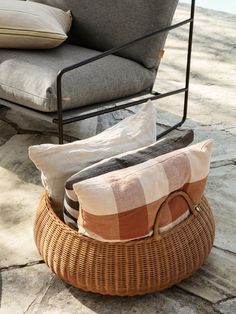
104,24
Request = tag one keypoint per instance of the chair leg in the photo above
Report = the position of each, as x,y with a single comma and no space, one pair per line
190,41
187,77
60,131
59,109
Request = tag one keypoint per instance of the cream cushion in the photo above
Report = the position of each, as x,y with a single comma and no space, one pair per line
59,162
29,25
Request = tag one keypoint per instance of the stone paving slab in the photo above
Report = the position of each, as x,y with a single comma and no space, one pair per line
223,145
20,287
38,291
20,191
221,194
6,132
215,281
226,307
224,140
213,67
81,129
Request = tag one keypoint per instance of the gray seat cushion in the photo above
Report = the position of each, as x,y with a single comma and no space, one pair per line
28,77
104,24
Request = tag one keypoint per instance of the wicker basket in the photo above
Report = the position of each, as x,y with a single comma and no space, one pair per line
124,269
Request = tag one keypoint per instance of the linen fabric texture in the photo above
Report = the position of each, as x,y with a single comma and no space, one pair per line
121,161
122,205
26,25
59,162
101,81
105,24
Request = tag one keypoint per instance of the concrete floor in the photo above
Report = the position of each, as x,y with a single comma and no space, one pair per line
28,286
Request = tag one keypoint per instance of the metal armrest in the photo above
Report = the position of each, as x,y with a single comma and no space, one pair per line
119,48
124,46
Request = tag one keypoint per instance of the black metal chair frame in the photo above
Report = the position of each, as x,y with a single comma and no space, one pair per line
99,109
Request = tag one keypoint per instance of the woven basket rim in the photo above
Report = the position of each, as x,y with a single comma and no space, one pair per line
150,238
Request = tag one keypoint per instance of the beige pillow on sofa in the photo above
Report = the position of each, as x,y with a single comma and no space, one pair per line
59,162
29,25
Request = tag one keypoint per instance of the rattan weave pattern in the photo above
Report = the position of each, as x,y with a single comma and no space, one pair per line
131,268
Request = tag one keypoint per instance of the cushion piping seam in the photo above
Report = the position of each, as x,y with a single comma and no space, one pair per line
22,91
35,36
27,30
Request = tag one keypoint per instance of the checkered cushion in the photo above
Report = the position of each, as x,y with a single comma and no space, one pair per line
122,205
124,160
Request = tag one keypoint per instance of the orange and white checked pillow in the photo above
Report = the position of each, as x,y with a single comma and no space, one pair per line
122,205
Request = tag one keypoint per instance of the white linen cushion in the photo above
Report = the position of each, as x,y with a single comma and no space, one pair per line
29,25
59,162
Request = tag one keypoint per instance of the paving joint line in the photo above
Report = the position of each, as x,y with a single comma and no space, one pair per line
224,250
37,296
3,269
232,297
228,162
29,306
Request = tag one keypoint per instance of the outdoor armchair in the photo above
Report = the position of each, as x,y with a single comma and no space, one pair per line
109,62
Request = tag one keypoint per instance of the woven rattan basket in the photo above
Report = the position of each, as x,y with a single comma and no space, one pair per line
131,268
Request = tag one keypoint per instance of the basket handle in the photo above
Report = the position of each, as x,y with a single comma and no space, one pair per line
192,208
